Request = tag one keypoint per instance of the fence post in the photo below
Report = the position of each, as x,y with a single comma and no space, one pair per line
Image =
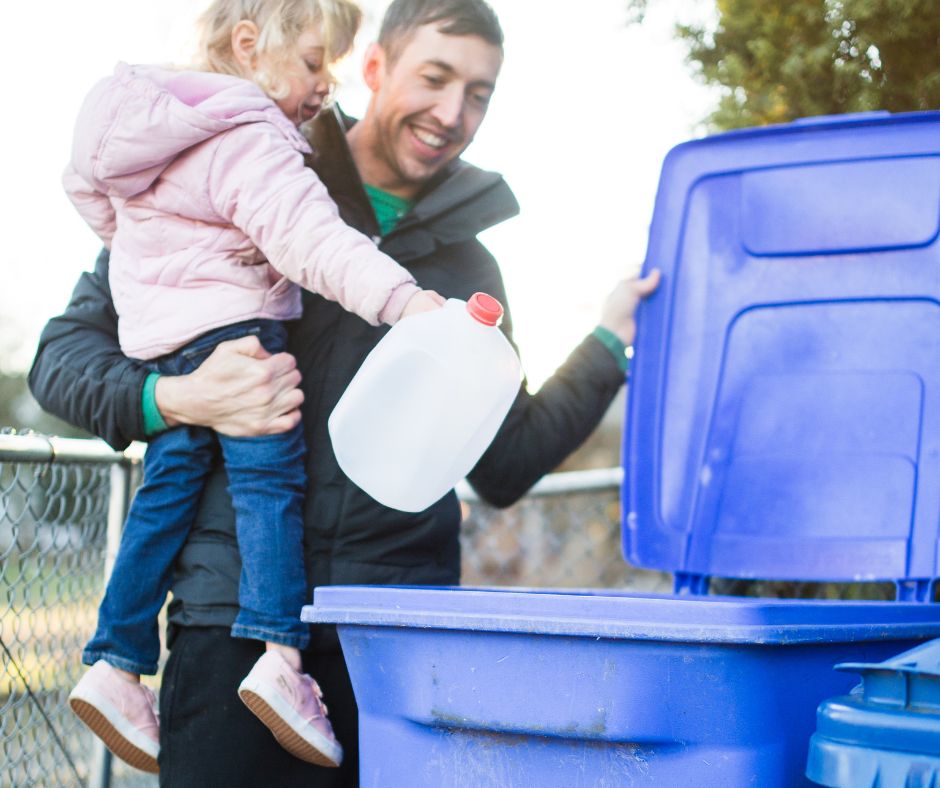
117,513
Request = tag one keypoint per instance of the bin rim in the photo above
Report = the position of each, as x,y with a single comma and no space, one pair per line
623,615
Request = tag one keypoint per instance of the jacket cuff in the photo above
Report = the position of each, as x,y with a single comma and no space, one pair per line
153,419
615,345
400,296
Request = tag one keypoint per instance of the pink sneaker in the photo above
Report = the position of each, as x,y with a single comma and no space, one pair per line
121,713
291,705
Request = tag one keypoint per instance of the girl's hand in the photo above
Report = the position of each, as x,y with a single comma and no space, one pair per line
422,301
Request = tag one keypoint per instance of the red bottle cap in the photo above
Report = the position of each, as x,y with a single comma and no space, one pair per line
485,309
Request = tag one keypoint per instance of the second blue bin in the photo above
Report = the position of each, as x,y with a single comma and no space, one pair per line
886,733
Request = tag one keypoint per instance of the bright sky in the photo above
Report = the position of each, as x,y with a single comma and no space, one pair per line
584,112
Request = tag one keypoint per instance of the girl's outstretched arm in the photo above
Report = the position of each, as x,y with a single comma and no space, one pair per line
259,183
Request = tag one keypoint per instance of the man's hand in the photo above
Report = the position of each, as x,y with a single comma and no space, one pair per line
240,390
422,301
619,310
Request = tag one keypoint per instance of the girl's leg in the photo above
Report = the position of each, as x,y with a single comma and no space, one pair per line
160,518
109,698
267,481
267,478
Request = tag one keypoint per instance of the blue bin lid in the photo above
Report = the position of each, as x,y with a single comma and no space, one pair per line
783,418
891,719
625,614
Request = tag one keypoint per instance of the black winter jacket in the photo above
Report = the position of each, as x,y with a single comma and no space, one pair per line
80,375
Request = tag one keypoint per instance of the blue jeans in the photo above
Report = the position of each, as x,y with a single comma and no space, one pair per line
267,481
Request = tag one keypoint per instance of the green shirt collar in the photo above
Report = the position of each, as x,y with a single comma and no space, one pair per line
388,208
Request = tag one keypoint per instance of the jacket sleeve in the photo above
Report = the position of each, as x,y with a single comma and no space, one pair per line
542,429
93,206
259,183
80,374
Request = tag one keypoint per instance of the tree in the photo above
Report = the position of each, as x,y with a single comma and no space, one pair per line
777,60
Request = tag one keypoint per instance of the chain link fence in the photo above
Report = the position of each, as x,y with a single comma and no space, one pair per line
51,565
62,504
564,534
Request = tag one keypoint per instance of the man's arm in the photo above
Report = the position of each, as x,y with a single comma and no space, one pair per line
80,374
542,429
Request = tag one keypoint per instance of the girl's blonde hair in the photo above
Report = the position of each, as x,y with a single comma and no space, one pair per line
280,24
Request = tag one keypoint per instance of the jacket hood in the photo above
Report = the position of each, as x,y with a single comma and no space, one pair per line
134,123
466,200
463,202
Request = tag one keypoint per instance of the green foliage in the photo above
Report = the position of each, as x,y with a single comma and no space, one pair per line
777,60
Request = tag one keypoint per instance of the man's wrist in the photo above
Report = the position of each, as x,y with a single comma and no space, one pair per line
153,419
615,345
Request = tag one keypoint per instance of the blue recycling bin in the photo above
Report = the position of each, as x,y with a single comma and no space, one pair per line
783,422
886,733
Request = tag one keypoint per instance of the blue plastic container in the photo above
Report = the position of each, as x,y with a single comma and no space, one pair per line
886,733
783,422
495,688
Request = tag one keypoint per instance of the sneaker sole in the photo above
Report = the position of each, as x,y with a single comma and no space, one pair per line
113,739
323,753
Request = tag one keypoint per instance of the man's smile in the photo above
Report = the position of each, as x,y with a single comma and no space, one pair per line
430,138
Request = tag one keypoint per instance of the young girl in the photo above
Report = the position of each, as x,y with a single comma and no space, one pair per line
195,181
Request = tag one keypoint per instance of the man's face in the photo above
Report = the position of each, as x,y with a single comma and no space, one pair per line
427,105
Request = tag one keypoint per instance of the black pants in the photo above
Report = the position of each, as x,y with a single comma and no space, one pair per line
207,735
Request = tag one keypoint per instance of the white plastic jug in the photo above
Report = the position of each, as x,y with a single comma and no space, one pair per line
426,403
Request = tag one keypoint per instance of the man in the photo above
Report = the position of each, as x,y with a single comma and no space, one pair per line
396,174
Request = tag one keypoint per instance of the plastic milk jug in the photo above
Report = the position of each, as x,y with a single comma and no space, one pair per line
426,403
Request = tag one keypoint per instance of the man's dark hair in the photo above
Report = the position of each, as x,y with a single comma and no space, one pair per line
453,18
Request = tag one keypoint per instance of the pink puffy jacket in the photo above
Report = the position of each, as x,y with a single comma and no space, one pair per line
196,183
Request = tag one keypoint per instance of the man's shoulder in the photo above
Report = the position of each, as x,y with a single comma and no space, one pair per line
466,196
